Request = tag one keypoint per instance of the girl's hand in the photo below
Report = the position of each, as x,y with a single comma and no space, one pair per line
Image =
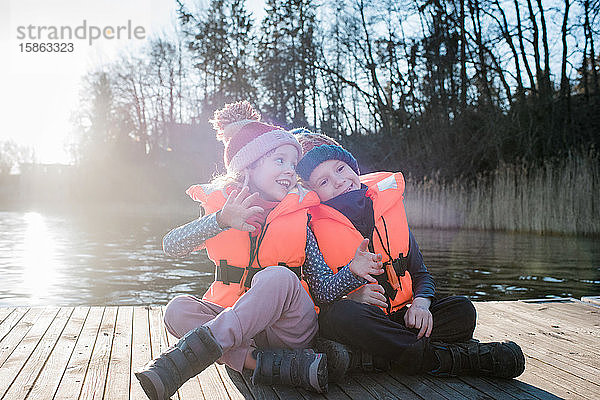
371,293
364,264
419,317
237,209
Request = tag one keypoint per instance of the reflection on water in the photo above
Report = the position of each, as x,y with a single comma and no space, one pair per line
117,258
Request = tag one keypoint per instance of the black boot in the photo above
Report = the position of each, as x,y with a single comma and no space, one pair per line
495,359
342,359
161,378
303,368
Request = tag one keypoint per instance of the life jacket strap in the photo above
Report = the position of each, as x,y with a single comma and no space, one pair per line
400,264
231,274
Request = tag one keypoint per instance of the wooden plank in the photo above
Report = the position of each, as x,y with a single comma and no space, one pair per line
119,367
10,321
552,375
355,391
496,392
95,378
287,392
42,352
212,385
17,359
72,380
561,344
441,386
376,390
544,378
47,382
547,349
576,318
591,299
190,389
29,372
418,385
234,383
5,312
536,324
335,392
469,392
261,392
158,336
17,332
521,390
140,348
394,386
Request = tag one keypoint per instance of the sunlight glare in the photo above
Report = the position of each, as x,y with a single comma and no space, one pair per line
39,264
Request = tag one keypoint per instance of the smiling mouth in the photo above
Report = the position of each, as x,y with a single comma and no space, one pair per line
284,182
348,189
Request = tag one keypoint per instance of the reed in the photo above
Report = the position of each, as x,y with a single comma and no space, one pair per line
557,196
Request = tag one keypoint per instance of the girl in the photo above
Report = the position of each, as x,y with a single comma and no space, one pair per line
248,306
398,318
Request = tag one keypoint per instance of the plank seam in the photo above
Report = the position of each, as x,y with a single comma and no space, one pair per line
87,367
32,350
50,353
112,342
72,351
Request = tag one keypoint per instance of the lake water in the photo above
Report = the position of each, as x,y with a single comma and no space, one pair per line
98,258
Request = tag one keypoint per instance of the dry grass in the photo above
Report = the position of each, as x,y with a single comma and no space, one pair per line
560,196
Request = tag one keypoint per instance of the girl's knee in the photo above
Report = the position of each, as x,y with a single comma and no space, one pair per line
174,310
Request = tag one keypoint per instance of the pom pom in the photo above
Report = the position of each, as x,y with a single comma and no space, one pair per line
309,140
231,113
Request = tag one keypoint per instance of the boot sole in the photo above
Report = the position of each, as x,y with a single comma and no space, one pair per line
518,353
338,359
318,376
147,385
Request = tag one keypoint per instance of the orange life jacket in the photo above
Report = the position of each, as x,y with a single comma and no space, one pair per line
238,256
338,239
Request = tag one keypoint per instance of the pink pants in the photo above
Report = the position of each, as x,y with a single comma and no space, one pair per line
276,312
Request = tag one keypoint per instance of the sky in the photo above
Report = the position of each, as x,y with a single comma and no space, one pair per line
40,91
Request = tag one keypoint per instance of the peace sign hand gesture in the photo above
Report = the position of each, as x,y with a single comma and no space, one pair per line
237,209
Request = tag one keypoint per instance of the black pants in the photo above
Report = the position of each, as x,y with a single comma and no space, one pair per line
367,327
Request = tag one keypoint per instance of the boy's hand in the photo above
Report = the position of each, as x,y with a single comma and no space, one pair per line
419,317
237,209
371,293
364,264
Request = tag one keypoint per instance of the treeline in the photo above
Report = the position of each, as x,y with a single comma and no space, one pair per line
447,87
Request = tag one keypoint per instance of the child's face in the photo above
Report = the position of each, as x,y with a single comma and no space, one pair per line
332,178
274,175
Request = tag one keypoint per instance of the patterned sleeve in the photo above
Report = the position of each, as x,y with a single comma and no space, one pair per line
325,286
182,240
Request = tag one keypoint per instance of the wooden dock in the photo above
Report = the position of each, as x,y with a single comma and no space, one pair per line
90,353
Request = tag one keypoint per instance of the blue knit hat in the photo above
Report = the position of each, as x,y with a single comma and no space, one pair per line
314,157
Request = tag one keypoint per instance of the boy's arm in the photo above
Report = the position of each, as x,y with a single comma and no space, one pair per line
418,315
182,240
325,286
422,281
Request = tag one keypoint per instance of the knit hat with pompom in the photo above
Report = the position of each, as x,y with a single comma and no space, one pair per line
317,149
246,139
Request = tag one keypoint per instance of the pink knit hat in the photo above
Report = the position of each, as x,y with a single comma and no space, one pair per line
246,139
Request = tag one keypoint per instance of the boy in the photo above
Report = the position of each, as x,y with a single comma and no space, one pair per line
397,319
